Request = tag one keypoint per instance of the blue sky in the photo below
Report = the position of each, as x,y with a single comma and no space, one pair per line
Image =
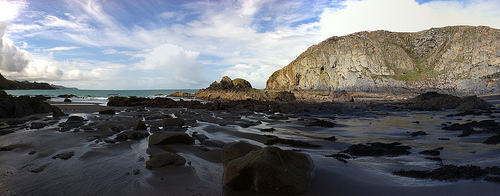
146,44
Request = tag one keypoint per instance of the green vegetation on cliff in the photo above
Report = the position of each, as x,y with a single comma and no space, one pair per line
460,59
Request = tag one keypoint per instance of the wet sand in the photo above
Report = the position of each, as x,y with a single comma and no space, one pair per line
101,168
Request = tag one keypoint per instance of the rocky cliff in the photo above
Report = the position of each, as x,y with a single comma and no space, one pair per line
457,59
6,84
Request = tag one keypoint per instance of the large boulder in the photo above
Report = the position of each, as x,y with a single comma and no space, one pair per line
161,138
341,96
268,170
177,122
18,107
437,101
164,159
139,125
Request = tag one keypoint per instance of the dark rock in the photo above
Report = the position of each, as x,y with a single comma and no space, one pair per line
179,122
107,111
495,170
132,135
293,143
434,101
341,96
164,159
7,148
140,125
213,143
199,137
136,171
340,157
493,140
56,112
322,123
236,150
72,122
38,125
268,130
468,128
5,132
64,156
117,129
109,141
38,169
67,100
435,159
332,138
417,133
154,128
446,172
269,170
66,96
16,122
492,179
161,138
378,149
430,152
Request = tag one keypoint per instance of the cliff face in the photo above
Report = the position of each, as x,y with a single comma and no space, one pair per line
460,59
16,85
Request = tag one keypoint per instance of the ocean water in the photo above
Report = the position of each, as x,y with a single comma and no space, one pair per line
99,94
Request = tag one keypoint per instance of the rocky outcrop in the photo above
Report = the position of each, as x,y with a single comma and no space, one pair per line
6,84
458,59
17,107
268,170
240,89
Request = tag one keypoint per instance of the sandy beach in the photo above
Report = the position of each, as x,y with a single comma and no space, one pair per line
97,163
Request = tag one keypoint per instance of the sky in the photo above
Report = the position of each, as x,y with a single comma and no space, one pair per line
188,44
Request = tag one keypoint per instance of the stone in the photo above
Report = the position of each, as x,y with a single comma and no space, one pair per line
164,159
341,96
213,143
179,122
140,125
270,170
162,138
38,125
107,112
322,123
72,122
236,150
67,100
132,135
64,156
378,149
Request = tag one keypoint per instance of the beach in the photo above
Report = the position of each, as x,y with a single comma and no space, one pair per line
97,163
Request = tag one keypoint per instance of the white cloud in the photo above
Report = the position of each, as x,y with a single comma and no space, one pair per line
62,48
109,51
9,10
180,65
406,15
12,58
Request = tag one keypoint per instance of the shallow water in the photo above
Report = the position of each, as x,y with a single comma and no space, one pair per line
99,168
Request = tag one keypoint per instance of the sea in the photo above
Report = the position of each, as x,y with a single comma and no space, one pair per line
97,95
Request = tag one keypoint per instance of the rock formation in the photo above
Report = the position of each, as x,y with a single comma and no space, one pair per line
457,59
18,107
14,85
240,89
